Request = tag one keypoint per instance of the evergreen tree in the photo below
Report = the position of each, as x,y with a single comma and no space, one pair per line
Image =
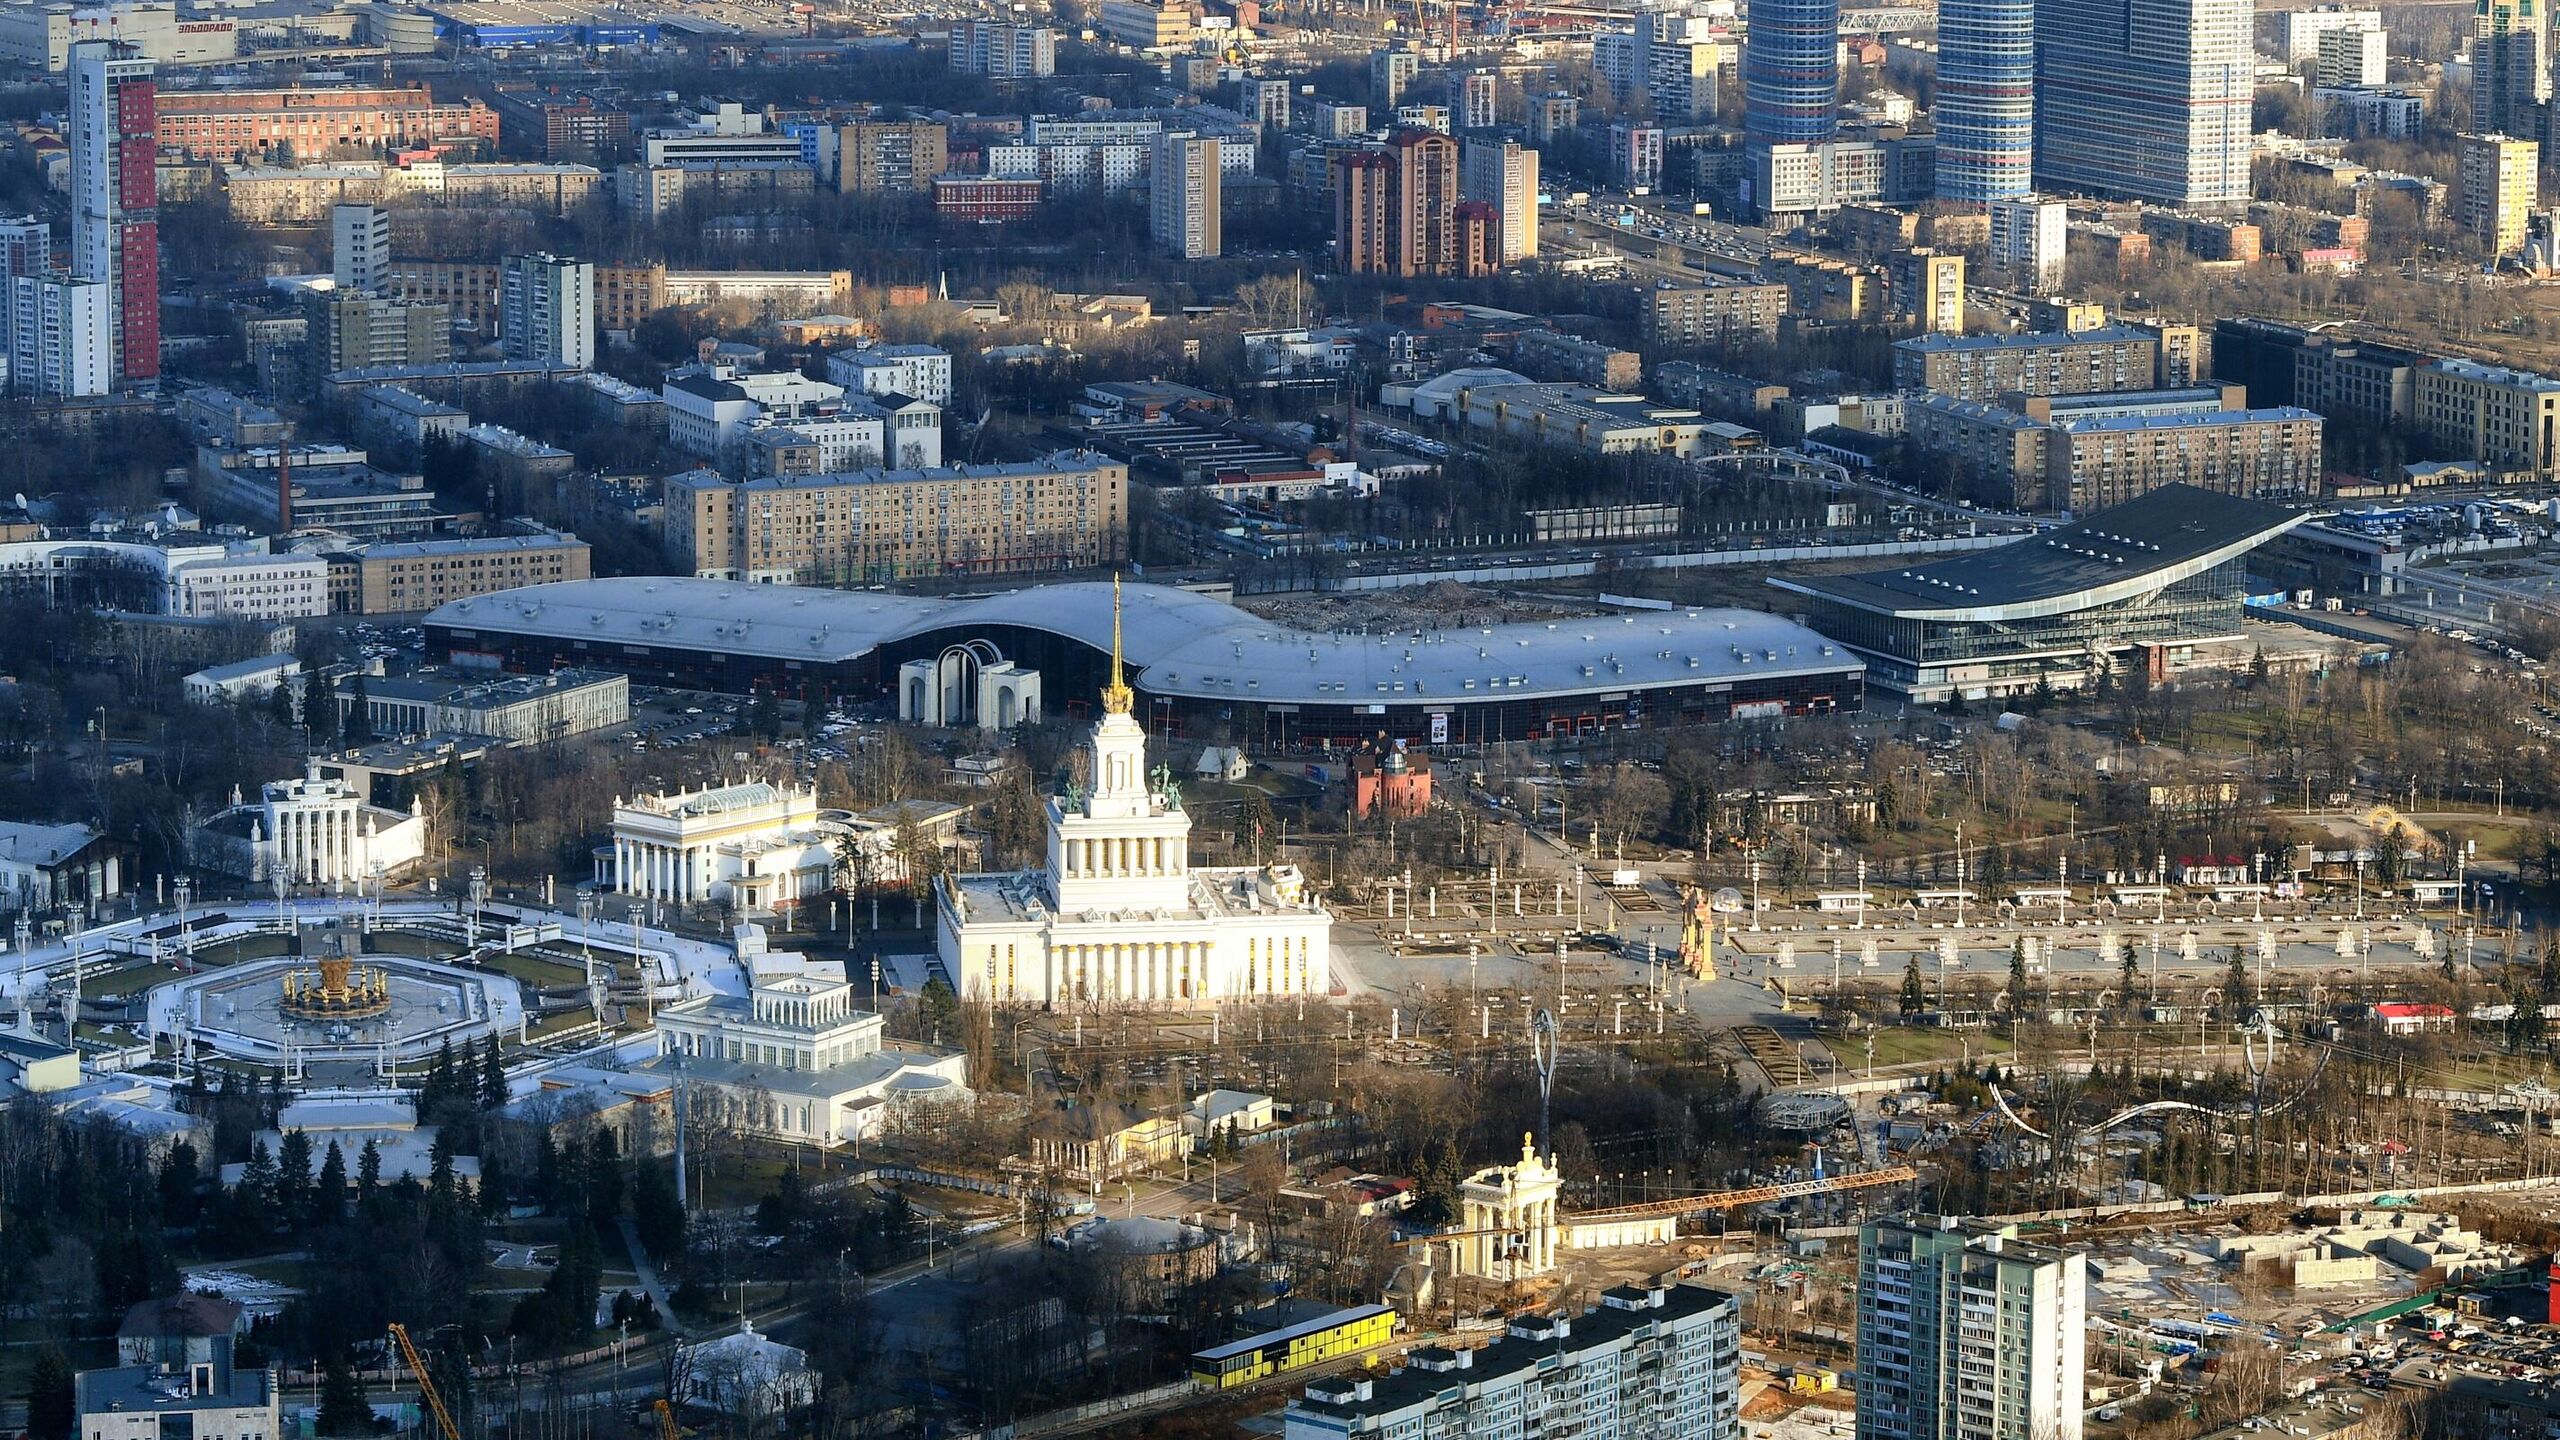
1914,997
319,708
343,1408
604,1180
258,1182
53,1410
329,1196
2238,994
359,712
2129,976
293,1176
280,702
656,1213
2018,976
368,1173
493,1076
179,1180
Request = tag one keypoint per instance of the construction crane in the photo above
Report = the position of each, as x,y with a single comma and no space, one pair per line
426,1386
667,1429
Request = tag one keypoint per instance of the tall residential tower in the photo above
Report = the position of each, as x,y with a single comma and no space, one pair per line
115,197
1966,1332
2145,99
1986,106
1791,72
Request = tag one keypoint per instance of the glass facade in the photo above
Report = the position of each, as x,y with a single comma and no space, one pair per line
1986,106
1791,72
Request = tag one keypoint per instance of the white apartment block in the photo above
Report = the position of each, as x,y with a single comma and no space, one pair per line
252,587
1654,1364
547,309
61,336
2303,28
2028,240
360,247
1003,52
1504,174
1966,1332
2353,57
920,371
1183,197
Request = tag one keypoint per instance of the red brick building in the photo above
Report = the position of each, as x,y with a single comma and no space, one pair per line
316,124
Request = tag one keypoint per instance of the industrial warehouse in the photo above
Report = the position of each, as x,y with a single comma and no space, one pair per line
990,660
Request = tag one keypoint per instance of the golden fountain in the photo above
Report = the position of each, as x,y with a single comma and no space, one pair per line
339,989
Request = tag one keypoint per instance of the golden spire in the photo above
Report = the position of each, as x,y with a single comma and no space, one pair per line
1116,697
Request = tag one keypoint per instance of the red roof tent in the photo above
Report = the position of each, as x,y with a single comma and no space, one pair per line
2411,1010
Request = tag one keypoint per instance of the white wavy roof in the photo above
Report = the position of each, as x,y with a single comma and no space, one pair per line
1178,643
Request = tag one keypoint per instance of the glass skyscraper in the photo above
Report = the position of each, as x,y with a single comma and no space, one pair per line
1791,72
2145,99
1986,106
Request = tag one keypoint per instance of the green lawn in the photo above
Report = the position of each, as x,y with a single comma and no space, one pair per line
128,980
1913,1045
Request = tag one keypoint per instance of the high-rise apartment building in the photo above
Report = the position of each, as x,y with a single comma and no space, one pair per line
1986,107
2510,66
115,197
1003,52
2497,191
1791,72
359,247
59,337
1479,100
2029,236
1395,206
2303,28
547,309
1389,72
1966,1332
1067,511
1504,174
1553,115
2353,58
26,247
1648,1364
348,331
1928,288
1183,195
871,157
2145,99
1266,99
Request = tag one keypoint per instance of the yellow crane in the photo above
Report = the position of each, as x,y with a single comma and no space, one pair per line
667,1429
426,1386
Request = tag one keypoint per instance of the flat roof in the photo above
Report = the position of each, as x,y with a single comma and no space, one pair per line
1938,342
2148,542
1287,1333
2188,420
1180,643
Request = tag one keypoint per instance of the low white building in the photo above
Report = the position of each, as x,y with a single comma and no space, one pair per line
312,831
755,846
46,867
920,371
746,1374
795,1059
249,679
252,587
709,407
